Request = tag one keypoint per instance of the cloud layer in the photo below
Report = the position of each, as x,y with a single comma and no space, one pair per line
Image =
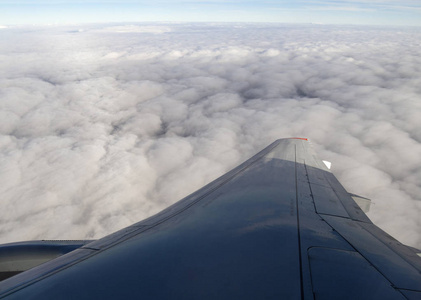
103,125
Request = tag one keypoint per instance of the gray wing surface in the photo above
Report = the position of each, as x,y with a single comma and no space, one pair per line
279,226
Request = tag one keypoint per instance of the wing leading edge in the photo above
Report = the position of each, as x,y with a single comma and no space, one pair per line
280,225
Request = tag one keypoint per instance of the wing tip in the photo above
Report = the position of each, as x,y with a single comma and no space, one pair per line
293,138
299,138
296,138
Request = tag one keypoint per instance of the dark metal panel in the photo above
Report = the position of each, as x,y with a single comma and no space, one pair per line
325,198
407,253
352,208
316,168
327,202
411,295
320,176
397,270
339,274
314,231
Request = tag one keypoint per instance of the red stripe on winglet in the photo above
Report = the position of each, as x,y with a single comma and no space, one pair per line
297,138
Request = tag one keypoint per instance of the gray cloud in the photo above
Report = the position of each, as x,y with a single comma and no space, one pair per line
104,125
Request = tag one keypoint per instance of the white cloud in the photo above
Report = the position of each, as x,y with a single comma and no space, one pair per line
102,126
138,29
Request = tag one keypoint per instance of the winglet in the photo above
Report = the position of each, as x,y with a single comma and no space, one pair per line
298,138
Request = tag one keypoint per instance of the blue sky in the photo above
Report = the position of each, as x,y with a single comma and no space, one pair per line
373,12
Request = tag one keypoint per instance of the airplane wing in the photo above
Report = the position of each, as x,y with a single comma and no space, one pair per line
279,226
